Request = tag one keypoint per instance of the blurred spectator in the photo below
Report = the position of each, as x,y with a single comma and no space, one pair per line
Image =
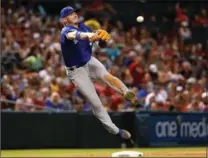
181,14
137,70
54,102
112,50
66,102
39,101
204,101
184,31
99,9
164,59
24,102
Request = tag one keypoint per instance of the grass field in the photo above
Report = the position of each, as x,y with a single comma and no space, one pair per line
148,152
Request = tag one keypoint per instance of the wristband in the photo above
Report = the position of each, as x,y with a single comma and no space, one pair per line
78,35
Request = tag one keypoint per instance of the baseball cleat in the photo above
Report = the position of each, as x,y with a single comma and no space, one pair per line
124,134
131,96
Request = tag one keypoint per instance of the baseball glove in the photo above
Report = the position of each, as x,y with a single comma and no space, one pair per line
100,35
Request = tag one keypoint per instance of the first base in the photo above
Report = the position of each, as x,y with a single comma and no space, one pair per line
127,154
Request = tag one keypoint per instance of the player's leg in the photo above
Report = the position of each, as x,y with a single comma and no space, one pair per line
83,82
99,71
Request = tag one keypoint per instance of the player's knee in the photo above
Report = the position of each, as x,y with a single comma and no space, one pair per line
98,109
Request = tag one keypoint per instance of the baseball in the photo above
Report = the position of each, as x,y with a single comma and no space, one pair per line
140,19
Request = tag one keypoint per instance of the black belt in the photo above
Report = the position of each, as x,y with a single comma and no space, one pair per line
72,68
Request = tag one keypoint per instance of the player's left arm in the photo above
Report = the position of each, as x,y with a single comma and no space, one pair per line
98,35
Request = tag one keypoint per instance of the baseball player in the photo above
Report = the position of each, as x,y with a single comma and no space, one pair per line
82,67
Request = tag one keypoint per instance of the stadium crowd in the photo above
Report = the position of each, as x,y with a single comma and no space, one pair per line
165,68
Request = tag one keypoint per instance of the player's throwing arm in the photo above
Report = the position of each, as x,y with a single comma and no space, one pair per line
92,36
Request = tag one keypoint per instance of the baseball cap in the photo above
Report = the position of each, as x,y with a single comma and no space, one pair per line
66,11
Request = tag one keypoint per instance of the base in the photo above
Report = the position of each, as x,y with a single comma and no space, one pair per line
127,154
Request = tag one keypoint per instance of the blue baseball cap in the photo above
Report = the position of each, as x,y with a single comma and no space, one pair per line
66,11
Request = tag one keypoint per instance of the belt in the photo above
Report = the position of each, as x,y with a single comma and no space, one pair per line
72,68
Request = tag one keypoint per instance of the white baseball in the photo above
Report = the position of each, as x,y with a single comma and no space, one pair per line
140,19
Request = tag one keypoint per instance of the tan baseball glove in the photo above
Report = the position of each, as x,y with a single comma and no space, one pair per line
100,35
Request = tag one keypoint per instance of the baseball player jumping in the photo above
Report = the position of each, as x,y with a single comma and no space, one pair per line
82,67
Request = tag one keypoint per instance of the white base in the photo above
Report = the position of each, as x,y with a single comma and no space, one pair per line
127,154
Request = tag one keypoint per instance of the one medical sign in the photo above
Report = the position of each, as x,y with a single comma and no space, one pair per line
175,128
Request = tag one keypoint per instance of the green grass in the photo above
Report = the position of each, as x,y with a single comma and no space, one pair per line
89,152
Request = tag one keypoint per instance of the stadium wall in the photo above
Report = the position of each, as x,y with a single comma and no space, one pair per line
22,130
171,129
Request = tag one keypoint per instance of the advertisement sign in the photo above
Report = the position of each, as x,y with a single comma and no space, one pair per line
175,128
